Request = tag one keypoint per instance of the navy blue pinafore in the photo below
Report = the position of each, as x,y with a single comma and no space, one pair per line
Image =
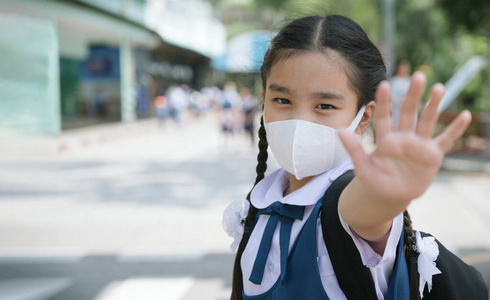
300,279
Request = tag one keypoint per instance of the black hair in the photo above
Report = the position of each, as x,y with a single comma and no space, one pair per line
365,69
363,62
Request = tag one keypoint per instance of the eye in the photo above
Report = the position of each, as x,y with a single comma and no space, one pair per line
282,101
325,106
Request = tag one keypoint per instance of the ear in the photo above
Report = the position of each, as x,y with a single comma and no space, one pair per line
367,117
263,94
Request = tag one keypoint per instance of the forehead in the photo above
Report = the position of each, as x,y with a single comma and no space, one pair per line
312,71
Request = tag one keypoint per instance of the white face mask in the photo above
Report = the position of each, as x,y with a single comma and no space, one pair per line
307,149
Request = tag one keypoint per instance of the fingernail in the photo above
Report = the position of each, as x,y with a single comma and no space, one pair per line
419,74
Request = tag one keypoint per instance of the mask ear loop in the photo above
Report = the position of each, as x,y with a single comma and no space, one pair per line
352,127
263,112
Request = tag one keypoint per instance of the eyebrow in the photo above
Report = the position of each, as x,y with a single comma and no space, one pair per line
328,95
317,95
280,89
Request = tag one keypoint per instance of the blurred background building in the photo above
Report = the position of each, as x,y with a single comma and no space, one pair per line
69,64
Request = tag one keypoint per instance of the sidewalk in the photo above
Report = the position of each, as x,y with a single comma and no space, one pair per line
83,139
79,139
90,138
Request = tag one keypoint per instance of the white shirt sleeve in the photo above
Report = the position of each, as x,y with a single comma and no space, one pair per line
381,267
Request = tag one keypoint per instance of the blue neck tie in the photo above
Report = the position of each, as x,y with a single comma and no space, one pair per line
288,214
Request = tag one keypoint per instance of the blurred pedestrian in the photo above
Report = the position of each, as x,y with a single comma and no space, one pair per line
143,97
211,97
249,106
98,103
400,82
230,113
161,106
178,100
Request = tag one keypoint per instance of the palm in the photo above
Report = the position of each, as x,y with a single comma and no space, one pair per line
405,161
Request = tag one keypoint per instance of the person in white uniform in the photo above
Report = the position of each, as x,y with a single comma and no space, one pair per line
399,82
322,81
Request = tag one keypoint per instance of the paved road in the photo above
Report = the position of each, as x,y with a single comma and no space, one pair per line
136,214
140,217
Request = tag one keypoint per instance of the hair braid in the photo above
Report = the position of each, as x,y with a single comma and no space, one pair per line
237,285
260,169
411,255
263,155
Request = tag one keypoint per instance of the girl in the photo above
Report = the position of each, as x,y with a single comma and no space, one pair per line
315,231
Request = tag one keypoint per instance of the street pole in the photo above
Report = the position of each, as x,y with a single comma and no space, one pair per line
126,61
488,59
389,30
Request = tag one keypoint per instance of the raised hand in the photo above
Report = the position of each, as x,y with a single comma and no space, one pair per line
405,161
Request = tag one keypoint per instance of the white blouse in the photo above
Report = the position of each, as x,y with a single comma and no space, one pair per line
270,190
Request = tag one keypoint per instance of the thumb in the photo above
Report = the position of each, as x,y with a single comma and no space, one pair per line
354,147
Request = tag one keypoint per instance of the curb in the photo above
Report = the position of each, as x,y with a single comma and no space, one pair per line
466,163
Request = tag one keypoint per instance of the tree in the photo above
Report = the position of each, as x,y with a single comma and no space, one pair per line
430,40
473,16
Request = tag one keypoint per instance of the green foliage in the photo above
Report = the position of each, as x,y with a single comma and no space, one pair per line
418,29
268,14
438,36
275,4
239,27
366,13
472,17
474,98
428,40
470,14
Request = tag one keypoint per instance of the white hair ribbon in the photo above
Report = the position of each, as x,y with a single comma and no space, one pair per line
428,251
233,220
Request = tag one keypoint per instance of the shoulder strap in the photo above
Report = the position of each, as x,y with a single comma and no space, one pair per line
354,278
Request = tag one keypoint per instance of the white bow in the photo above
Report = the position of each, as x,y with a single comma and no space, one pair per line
233,218
428,251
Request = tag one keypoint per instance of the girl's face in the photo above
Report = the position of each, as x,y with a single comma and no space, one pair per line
310,86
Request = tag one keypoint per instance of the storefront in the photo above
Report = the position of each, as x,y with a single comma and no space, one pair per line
99,61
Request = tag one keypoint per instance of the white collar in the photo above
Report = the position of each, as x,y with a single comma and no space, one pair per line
271,188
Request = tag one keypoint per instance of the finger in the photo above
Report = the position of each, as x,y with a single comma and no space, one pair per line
454,131
384,122
411,102
354,147
428,119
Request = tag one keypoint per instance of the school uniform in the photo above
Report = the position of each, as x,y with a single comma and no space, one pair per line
300,248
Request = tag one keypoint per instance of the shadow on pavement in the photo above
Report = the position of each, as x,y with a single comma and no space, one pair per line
93,273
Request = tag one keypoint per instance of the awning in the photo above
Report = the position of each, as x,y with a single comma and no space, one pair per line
79,24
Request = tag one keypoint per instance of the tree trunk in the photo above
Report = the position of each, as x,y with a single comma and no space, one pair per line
487,26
